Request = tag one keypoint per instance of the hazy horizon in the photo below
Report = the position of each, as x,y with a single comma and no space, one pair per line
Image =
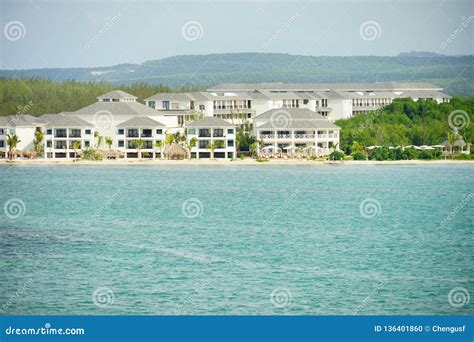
58,34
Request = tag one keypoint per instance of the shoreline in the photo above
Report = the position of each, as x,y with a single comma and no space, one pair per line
247,161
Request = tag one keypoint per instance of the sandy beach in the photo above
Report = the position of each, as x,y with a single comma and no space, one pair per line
247,161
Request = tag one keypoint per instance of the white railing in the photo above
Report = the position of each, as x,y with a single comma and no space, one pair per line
304,136
284,136
267,136
327,136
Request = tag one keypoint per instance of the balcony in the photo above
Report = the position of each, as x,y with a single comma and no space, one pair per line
327,136
60,134
304,136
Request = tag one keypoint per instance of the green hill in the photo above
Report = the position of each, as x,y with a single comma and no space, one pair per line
455,74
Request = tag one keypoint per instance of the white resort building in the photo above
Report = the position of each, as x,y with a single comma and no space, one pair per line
213,136
291,129
285,116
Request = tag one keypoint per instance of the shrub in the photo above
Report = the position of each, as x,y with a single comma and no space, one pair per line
91,154
359,156
336,155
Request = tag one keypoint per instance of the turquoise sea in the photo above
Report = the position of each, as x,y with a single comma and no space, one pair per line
235,239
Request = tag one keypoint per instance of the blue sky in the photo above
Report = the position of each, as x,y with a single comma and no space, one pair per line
47,33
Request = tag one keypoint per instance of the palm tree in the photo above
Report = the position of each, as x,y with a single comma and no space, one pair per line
192,143
451,142
169,139
159,144
38,142
100,139
138,144
109,142
76,145
12,142
211,147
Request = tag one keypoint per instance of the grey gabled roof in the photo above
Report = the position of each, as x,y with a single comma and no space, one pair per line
210,121
116,94
279,86
294,118
141,121
168,97
63,120
21,120
116,108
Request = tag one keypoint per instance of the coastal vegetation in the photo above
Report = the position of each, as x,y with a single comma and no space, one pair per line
404,123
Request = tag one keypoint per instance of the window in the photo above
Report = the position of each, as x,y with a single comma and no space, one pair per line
230,143
49,143
146,133
192,131
49,131
132,133
60,144
151,104
204,132
115,100
305,101
1,131
106,100
218,132
202,107
166,105
203,143
87,143
88,132
121,143
230,131
159,131
120,131
2,143
75,133
61,133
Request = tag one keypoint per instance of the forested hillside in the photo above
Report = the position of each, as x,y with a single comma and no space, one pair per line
454,73
45,96
406,122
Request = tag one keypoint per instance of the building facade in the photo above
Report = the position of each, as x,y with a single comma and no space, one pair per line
309,109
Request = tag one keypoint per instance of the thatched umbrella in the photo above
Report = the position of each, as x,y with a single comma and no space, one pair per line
175,152
110,154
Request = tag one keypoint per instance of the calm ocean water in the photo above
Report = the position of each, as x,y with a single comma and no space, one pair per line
233,239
